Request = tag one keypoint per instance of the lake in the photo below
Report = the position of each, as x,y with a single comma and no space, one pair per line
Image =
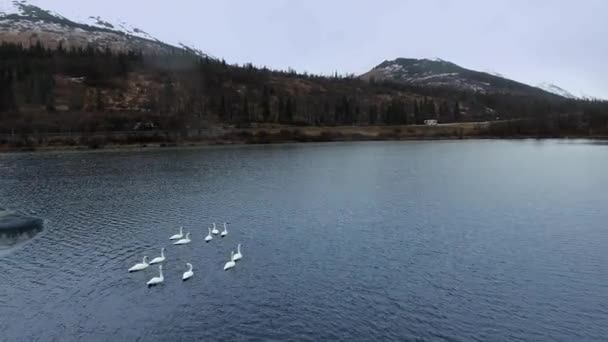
428,241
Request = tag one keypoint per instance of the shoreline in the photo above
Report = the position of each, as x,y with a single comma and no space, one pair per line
199,145
261,135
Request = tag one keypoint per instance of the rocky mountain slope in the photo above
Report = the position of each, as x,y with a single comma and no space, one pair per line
27,24
443,74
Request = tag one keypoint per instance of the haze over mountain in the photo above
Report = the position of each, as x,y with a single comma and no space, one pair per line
26,24
530,42
61,75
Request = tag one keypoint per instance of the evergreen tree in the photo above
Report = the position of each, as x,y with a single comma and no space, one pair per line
456,112
266,104
290,110
326,112
7,90
417,115
246,114
372,114
99,105
346,111
223,112
445,114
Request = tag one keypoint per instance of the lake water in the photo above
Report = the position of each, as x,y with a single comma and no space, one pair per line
427,241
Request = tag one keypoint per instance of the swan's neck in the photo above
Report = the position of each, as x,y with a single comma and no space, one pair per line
181,230
190,268
145,258
162,253
160,271
238,248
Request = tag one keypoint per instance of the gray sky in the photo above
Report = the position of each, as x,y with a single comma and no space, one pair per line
556,41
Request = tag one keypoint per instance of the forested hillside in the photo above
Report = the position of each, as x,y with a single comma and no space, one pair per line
91,89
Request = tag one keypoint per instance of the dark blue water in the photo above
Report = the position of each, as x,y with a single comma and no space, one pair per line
428,241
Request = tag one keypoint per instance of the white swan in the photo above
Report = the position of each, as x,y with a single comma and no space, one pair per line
230,264
214,230
225,231
178,236
184,240
157,280
159,259
141,266
188,274
208,237
238,255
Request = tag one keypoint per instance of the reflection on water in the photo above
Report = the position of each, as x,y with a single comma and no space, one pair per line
16,229
598,142
398,241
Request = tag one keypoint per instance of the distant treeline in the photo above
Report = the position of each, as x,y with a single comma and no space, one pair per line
89,89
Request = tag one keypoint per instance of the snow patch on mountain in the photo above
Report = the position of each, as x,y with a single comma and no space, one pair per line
438,73
115,25
21,16
24,9
494,73
552,88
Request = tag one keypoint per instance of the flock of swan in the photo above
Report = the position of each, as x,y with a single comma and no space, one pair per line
181,239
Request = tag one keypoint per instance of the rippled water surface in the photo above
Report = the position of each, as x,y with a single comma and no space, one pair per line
431,241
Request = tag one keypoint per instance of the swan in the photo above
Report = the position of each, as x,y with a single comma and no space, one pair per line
184,240
238,255
141,266
225,231
188,274
208,237
157,280
178,236
159,259
215,231
230,264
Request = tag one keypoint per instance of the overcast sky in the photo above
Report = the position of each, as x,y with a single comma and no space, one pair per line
557,41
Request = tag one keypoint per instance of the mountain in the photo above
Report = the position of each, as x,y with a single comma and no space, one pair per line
27,24
174,90
552,88
438,73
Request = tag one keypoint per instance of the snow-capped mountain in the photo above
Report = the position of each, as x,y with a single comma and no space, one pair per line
22,22
120,26
552,88
494,73
443,74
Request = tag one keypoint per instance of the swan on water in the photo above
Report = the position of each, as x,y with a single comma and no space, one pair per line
141,266
178,236
238,255
157,280
208,237
188,274
230,264
184,240
225,231
214,230
159,259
